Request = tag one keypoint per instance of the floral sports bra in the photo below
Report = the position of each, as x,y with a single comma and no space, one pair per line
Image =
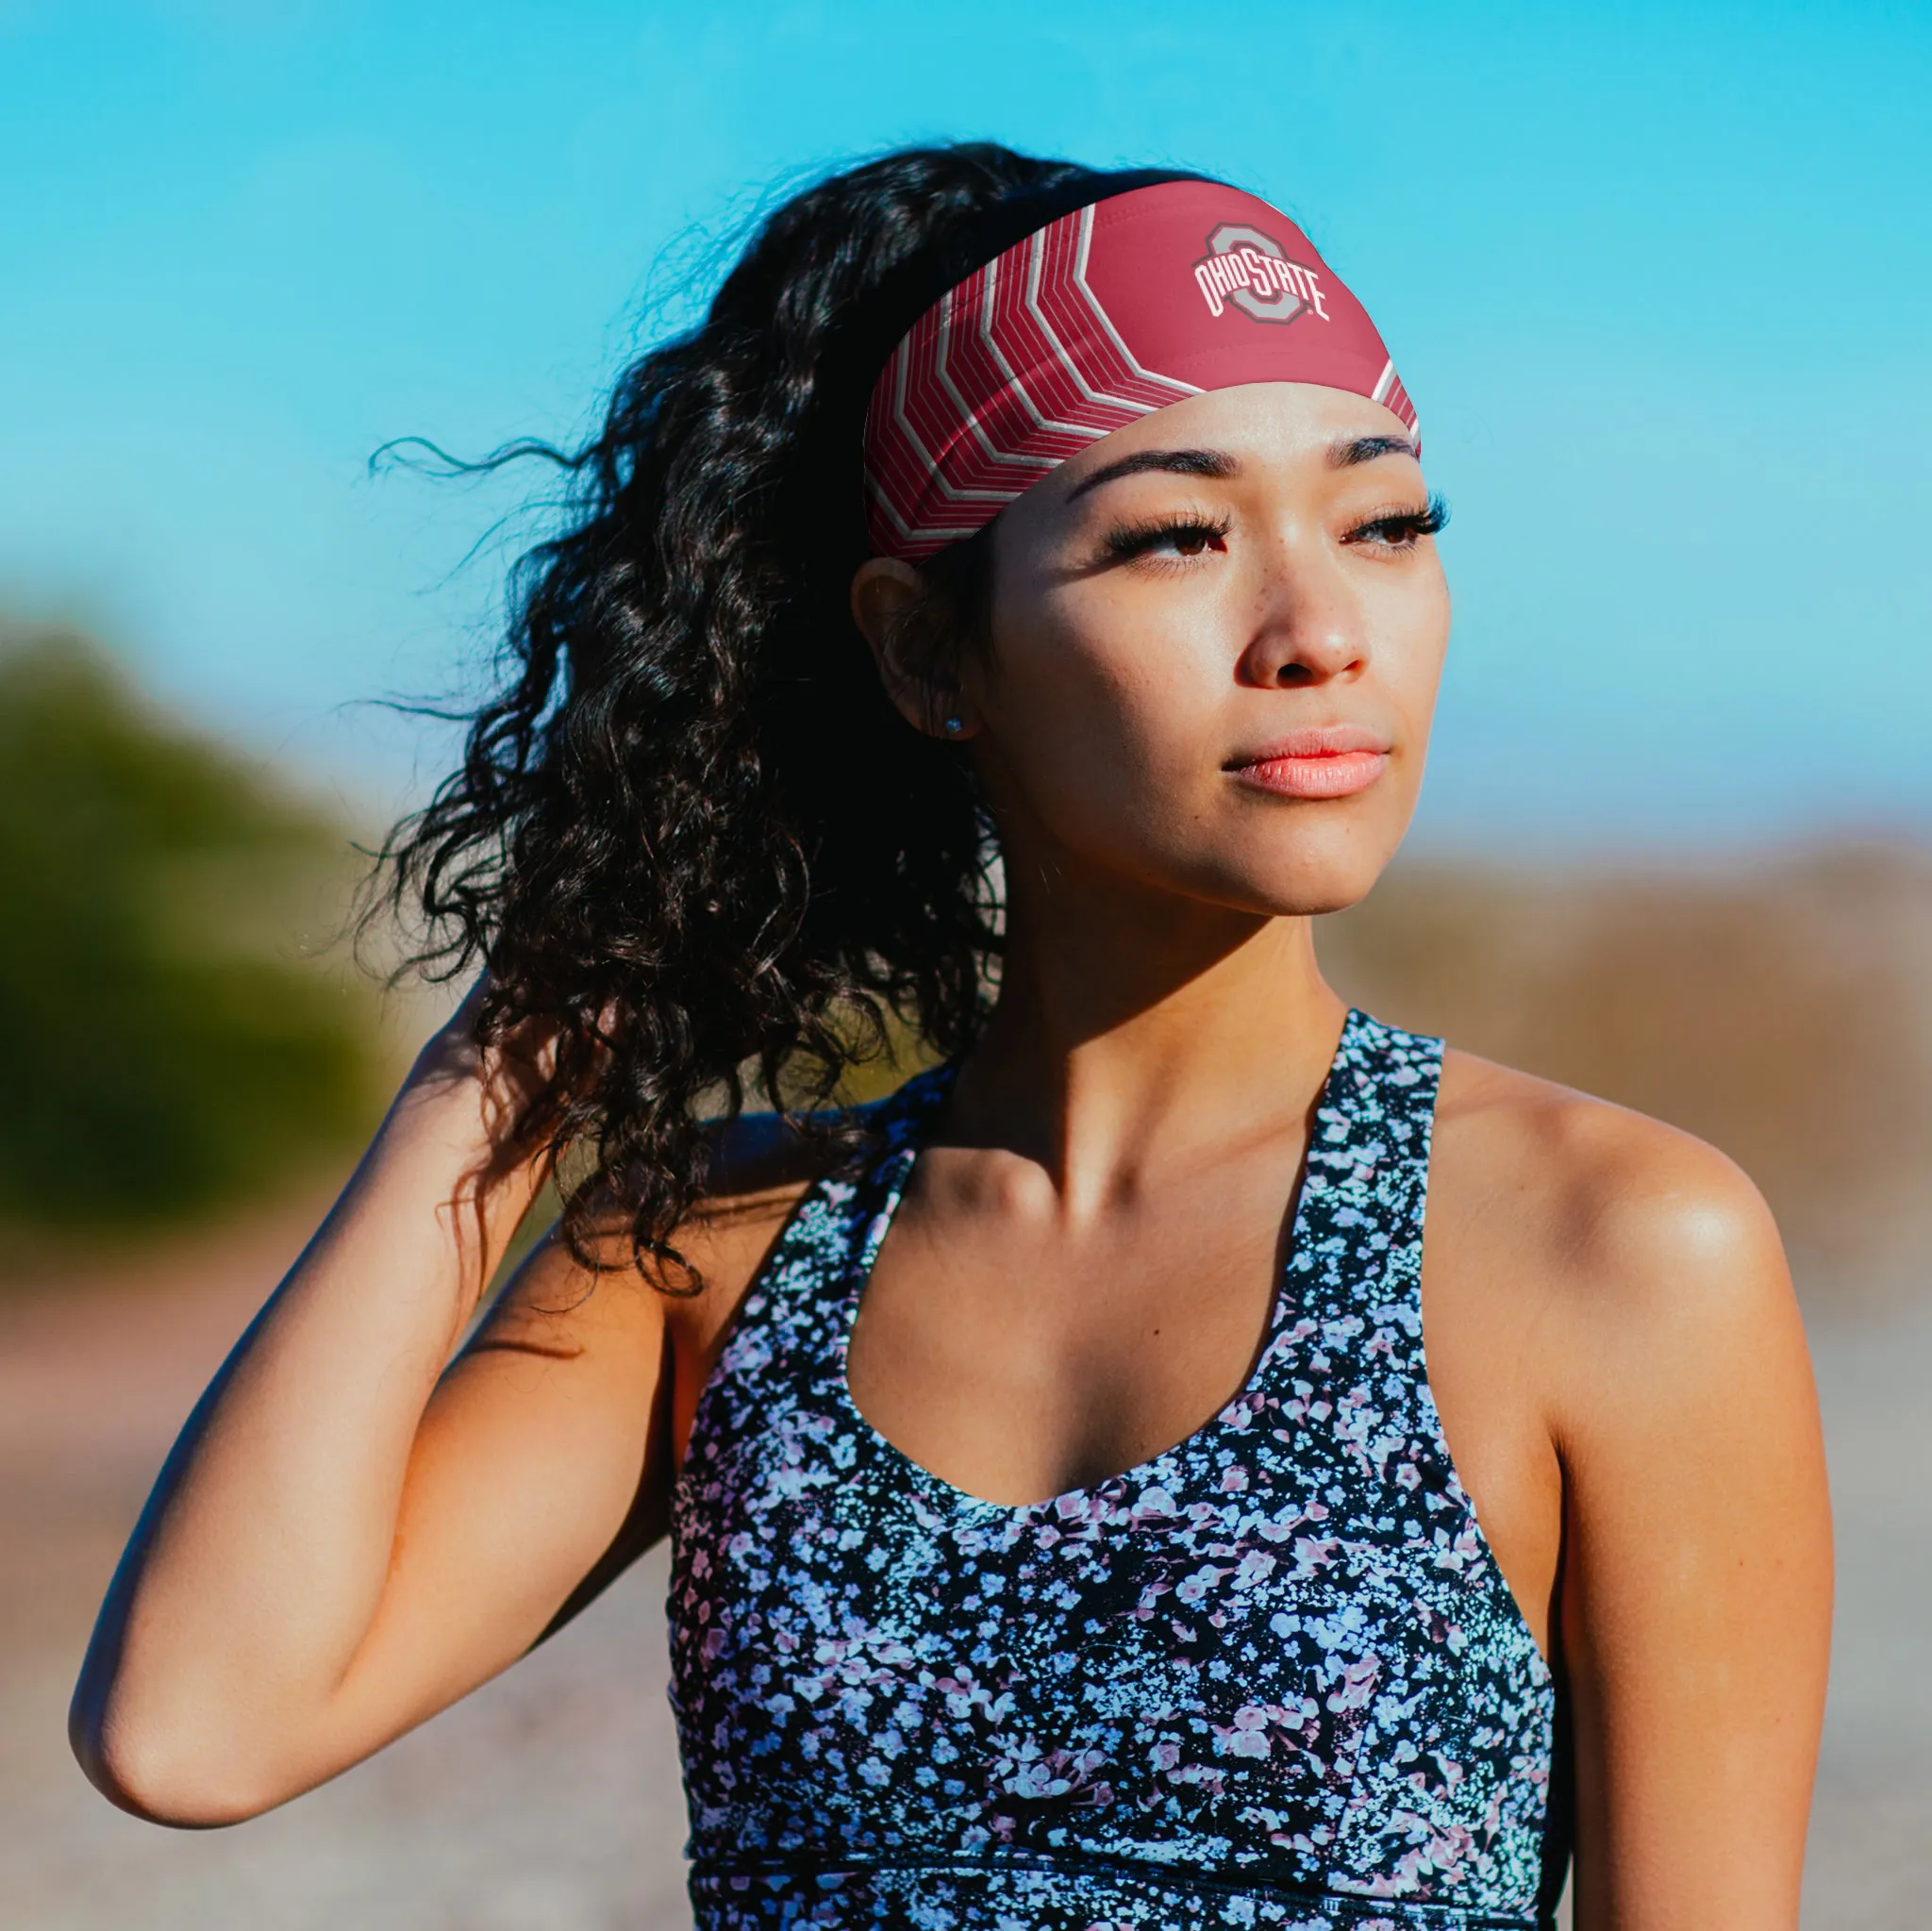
1271,1678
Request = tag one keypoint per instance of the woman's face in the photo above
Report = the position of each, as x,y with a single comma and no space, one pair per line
1215,643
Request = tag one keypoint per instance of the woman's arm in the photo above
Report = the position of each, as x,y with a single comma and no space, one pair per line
349,1535
1696,1585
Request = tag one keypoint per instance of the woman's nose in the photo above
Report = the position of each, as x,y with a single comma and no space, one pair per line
1308,627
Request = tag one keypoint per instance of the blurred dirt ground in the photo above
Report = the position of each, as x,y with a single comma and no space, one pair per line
549,1800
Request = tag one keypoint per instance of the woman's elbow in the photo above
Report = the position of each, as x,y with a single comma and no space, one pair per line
174,1775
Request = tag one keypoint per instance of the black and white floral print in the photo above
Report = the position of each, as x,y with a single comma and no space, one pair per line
1271,1678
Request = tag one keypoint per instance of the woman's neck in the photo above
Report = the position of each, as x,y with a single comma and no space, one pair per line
1136,1030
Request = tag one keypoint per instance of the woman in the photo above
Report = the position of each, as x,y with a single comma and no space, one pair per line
1067,1529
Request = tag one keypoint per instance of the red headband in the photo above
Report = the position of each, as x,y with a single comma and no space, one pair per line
1097,319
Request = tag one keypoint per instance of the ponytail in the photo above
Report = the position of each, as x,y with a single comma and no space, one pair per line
690,833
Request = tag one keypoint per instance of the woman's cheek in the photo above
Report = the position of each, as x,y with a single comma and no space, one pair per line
1412,625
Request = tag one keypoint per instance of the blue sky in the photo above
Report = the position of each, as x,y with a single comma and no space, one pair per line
1656,276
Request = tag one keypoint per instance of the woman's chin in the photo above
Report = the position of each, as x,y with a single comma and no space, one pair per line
1300,891
1326,871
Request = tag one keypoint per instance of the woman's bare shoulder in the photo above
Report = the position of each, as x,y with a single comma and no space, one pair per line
1639,1245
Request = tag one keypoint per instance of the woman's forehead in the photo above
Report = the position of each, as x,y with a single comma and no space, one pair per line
1228,434
1284,417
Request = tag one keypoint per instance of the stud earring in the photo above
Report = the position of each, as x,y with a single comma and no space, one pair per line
954,727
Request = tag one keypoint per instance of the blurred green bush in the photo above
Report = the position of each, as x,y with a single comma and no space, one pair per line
165,1047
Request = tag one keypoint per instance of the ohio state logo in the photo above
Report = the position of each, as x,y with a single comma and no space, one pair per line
1250,270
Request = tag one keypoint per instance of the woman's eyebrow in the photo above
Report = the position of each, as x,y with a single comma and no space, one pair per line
1178,462
1353,449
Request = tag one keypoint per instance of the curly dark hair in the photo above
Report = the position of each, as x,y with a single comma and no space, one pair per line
690,833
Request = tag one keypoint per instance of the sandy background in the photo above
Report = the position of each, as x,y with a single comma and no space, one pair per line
549,1800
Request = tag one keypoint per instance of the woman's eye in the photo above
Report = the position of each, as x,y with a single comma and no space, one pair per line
1185,539
1400,530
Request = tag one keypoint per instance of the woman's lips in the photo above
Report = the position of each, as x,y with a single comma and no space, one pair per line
1334,762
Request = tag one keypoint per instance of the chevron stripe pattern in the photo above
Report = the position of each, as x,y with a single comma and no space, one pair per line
1024,364
1001,380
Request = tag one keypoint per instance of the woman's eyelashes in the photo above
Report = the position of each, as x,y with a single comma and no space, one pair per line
1400,530
1167,540
1178,539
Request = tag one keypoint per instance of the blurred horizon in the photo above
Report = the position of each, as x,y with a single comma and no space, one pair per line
189,1036
1650,277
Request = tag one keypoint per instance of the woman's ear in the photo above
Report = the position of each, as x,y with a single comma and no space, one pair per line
888,599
